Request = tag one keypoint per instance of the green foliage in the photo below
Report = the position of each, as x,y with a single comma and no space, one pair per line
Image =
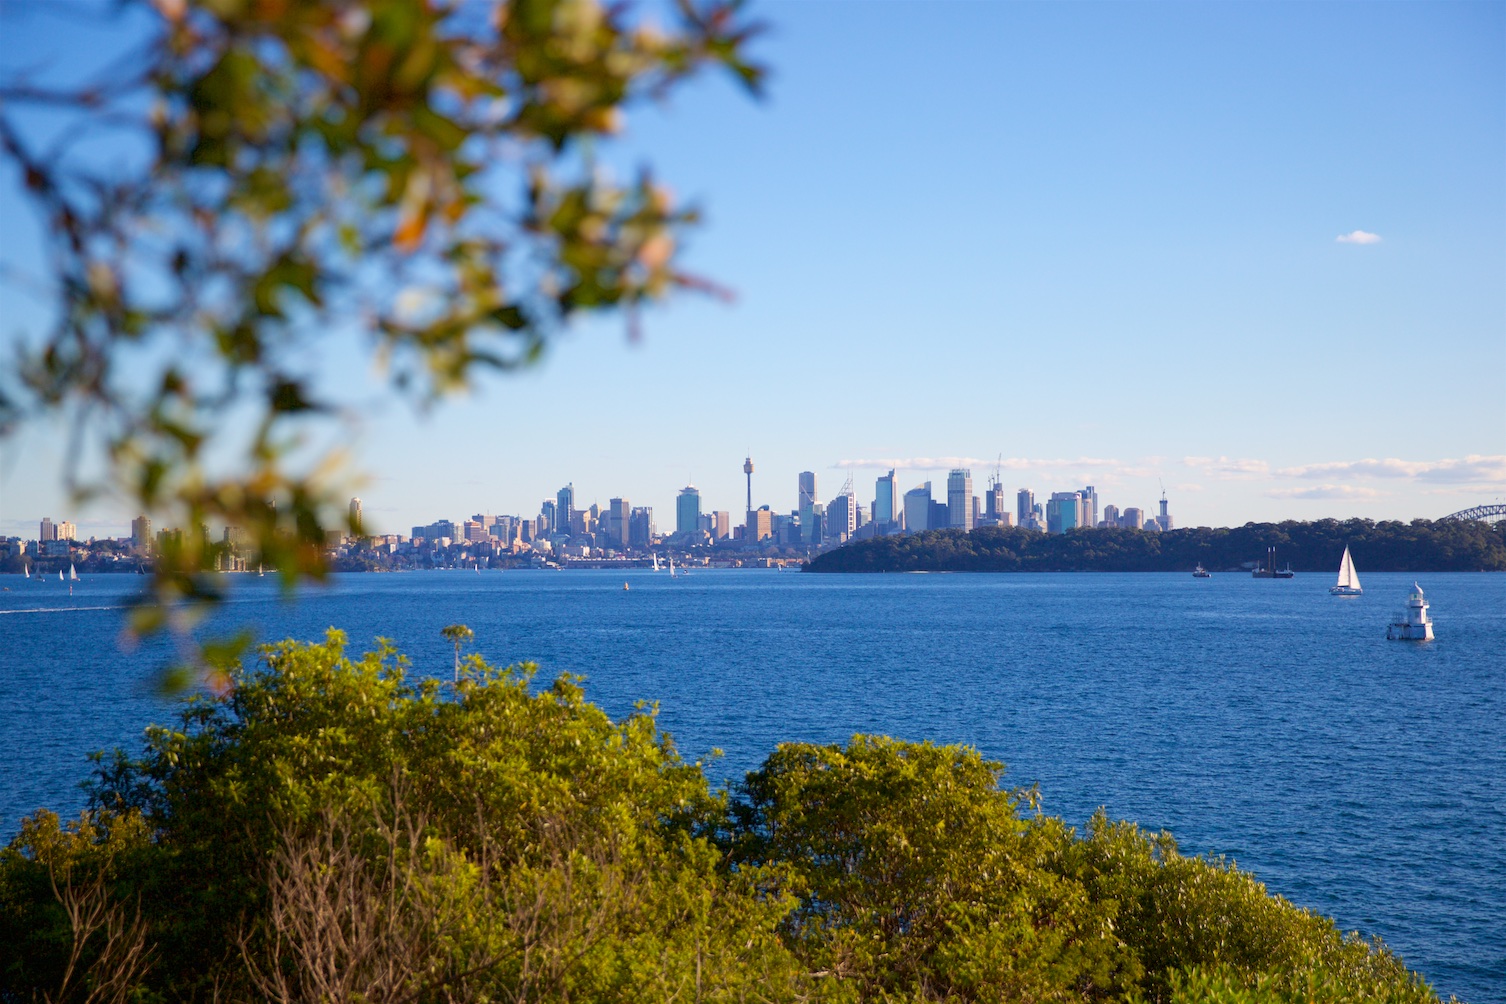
1418,546
419,173
326,828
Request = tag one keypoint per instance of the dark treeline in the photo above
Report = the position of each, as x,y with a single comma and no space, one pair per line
1418,546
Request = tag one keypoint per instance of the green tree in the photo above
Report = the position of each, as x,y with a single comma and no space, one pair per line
417,172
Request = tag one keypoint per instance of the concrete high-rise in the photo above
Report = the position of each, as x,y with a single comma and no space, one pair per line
564,502
357,525
47,530
760,525
141,532
1111,515
641,527
918,507
959,499
1090,497
807,509
1165,518
688,511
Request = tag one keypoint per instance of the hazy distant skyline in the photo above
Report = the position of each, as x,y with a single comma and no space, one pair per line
1257,252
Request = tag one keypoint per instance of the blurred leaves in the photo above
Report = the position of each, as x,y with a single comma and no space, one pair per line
312,168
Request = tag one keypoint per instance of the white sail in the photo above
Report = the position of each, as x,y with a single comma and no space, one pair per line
1354,577
72,572
27,570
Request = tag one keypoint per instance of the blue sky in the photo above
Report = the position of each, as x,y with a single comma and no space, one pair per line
1098,240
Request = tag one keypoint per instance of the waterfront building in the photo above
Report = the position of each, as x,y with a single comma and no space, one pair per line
619,521
807,507
688,511
67,531
1024,505
1064,512
356,523
48,531
959,498
141,532
918,507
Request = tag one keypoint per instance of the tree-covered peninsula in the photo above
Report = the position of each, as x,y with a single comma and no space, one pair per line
1419,546
328,829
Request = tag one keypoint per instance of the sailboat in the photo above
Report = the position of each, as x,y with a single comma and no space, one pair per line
27,570
72,572
656,562
1349,580
60,575
671,566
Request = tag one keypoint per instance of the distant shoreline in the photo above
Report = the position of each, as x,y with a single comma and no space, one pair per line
1421,546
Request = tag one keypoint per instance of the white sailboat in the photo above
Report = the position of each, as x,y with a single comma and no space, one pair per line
60,575
27,570
1349,579
72,572
656,562
671,566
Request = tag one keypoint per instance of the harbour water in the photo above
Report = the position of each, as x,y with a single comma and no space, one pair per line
1262,720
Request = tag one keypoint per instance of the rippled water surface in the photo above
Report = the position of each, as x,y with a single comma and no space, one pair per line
1263,720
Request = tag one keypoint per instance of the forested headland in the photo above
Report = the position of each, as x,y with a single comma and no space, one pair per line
1419,546
329,829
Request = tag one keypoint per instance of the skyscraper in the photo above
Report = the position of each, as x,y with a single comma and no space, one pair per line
1024,506
688,511
959,498
619,521
842,517
641,529
1165,518
918,507
141,532
1111,515
807,505
47,531
1090,497
548,518
564,502
722,528
356,524
888,506
1064,512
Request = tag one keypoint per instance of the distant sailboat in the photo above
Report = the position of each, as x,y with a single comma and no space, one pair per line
656,562
27,570
671,566
72,572
1349,579
60,575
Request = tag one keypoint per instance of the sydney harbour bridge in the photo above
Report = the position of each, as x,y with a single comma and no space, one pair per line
1488,513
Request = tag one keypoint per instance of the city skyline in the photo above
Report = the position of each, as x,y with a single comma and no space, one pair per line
1257,252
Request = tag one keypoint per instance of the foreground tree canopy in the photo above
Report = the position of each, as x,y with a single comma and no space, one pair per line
331,830
258,180
1419,546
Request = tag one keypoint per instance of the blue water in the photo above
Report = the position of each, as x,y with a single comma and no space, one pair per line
1262,720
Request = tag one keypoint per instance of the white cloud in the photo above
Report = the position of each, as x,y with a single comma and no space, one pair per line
1358,237
1223,467
1473,469
1325,492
